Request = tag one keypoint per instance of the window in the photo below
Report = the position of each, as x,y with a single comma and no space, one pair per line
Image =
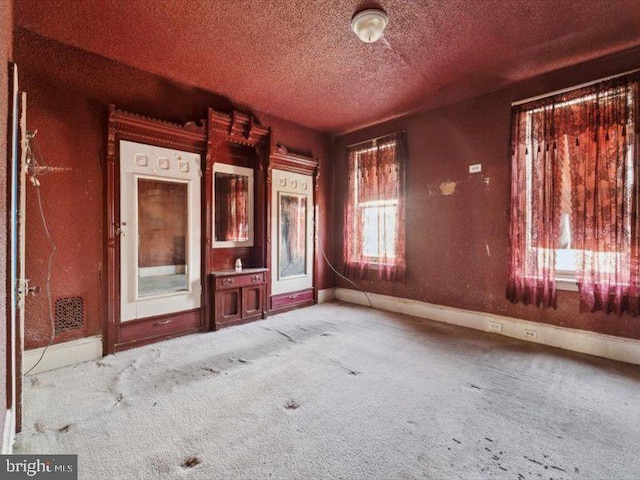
379,229
566,254
374,213
573,195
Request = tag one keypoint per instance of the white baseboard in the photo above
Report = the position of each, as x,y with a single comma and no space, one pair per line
9,434
326,295
592,343
63,354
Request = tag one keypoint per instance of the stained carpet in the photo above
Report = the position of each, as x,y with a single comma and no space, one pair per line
338,391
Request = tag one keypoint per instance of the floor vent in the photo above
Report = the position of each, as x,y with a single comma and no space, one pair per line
69,314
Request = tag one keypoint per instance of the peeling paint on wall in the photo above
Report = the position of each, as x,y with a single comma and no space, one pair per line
448,188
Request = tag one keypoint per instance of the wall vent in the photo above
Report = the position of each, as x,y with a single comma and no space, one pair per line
69,314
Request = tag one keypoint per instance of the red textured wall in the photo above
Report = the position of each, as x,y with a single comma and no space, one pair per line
6,42
457,245
69,91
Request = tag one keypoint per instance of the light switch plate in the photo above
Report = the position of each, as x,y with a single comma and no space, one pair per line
476,168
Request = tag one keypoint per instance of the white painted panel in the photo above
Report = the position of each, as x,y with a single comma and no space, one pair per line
295,184
141,161
9,434
326,295
60,355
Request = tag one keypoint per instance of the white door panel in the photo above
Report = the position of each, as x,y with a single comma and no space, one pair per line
160,231
292,212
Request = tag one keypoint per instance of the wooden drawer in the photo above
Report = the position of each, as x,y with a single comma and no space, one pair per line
291,300
235,281
145,328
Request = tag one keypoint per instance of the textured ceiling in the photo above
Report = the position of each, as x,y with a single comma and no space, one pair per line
299,60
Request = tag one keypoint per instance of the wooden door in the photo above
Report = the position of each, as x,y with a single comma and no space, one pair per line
160,233
292,252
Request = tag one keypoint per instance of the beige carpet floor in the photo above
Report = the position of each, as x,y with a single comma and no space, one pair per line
340,392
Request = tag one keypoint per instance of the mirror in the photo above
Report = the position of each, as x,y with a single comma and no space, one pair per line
233,206
292,245
163,216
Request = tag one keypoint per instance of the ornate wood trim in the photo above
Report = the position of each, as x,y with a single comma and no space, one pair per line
239,131
237,128
281,158
122,125
191,136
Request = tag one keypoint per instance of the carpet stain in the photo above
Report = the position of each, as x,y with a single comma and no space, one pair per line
291,405
457,441
532,460
65,428
39,427
288,337
325,334
191,462
474,386
354,372
212,370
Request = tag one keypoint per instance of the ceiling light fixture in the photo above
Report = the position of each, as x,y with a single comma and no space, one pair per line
369,24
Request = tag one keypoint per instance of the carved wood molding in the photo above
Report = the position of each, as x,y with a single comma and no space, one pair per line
190,136
283,159
236,128
122,125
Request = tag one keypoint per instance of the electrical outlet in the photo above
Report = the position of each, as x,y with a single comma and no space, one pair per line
477,168
495,327
530,334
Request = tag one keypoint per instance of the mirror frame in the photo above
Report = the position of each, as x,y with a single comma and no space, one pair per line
235,170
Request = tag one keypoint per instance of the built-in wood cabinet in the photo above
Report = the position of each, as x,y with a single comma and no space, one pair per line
292,181
155,253
238,296
222,191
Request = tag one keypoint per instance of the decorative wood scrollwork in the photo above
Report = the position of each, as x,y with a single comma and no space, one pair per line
236,128
190,136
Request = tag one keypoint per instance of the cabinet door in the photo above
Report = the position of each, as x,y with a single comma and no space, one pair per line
252,300
160,237
292,210
229,305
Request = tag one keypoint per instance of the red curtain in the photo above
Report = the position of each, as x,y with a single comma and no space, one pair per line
536,183
232,218
374,220
604,170
582,145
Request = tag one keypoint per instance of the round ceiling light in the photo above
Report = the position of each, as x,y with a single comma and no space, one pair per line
369,24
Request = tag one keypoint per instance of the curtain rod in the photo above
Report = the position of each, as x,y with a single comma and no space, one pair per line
376,138
575,87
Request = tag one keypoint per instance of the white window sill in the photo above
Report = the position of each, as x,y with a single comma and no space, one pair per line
566,283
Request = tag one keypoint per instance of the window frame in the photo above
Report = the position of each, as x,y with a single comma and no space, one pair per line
358,207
